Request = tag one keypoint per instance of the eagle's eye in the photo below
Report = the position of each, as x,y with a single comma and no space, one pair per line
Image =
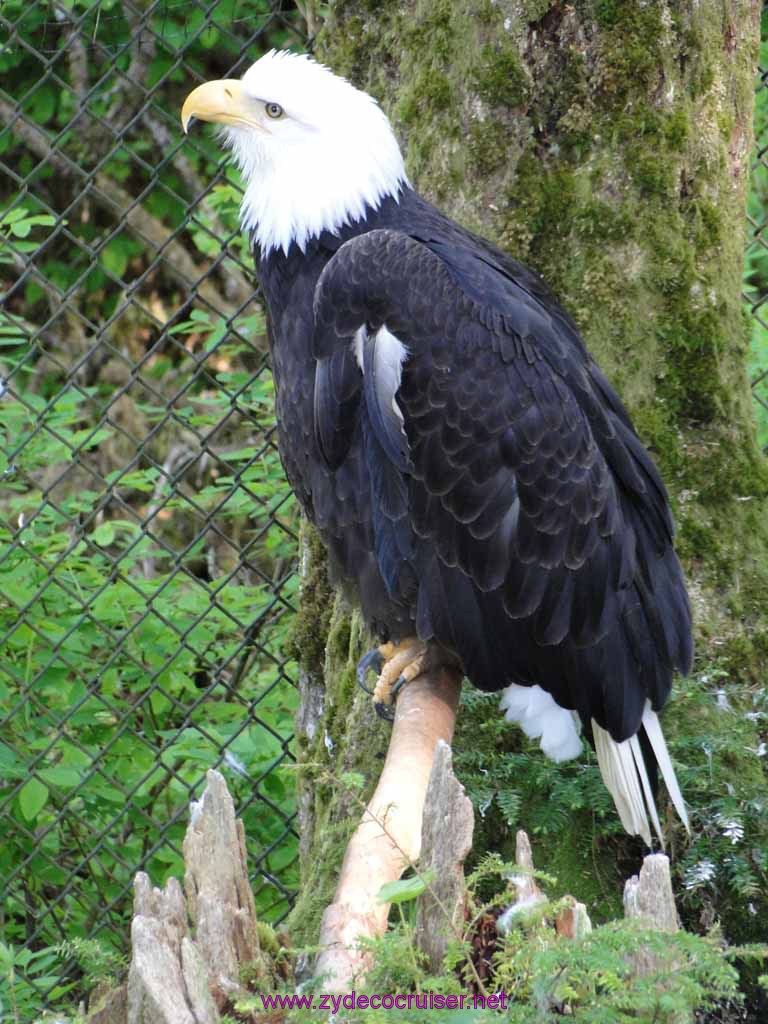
274,110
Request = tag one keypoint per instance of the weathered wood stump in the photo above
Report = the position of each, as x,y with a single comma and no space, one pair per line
181,974
167,980
219,895
189,954
528,893
446,840
648,899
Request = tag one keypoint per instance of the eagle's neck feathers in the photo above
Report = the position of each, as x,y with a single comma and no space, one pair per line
295,194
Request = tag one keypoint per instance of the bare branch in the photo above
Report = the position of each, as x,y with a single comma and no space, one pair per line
388,838
76,53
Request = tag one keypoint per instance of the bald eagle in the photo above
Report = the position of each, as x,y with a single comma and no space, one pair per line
473,474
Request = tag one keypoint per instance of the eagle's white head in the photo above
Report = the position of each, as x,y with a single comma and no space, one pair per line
316,153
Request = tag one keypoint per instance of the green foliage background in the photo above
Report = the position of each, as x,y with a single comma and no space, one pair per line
147,536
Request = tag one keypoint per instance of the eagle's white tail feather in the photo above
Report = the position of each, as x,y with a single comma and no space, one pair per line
642,772
626,777
617,766
653,731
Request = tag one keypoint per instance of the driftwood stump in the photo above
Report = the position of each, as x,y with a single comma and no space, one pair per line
175,978
573,921
167,979
219,894
184,973
529,895
648,898
446,840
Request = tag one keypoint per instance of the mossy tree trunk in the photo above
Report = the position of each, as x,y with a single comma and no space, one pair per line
606,144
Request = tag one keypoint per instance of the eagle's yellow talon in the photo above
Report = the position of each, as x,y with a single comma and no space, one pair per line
397,664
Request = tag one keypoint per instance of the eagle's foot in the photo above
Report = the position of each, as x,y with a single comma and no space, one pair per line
396,664
372,661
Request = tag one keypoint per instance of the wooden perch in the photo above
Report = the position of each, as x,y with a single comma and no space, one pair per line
388,837
446,840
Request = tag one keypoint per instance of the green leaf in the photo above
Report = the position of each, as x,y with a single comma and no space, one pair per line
17,213
199,320
405,889
32,798
114,257
89,438
209,37
355,780
104,534
60,775
241,453
21,226
42,105
138,480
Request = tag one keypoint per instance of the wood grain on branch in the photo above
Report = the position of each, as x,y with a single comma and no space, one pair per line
388,838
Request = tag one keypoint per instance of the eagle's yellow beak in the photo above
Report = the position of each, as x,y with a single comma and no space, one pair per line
223,101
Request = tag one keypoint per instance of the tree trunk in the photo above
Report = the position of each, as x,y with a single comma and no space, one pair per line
606,144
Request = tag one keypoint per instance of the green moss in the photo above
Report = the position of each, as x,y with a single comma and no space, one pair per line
534,10
310,627
707,224
599,221
435,88
632,47
500,78
653,174
488,146
318,883
347,738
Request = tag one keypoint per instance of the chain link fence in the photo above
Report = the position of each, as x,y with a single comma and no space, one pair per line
147,537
